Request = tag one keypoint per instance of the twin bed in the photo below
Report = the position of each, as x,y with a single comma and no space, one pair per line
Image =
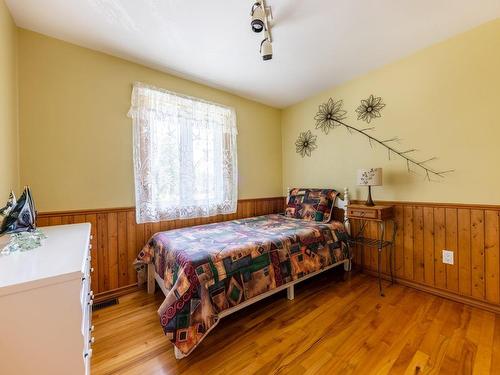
210,271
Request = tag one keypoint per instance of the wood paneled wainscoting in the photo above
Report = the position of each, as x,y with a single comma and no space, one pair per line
117,238
472,232
425,230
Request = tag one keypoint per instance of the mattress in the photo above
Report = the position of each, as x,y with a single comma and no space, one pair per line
211,268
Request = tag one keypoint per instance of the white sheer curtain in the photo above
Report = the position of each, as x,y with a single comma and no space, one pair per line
185,160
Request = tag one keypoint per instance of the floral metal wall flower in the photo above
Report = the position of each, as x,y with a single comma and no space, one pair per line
370,108
329,114
306,143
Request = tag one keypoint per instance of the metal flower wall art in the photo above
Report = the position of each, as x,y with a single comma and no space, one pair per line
370,108
329,115
306,143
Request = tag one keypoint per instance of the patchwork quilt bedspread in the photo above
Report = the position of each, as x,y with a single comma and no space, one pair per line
210,268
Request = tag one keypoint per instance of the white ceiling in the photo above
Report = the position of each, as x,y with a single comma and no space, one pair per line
317,43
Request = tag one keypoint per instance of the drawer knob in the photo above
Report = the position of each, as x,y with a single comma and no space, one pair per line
92,340
92,269
91,329
91,302
90,247
91,236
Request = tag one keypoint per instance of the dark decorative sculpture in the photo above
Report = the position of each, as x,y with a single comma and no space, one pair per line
325,121
11,202
329,115
306,143
21,216
370,108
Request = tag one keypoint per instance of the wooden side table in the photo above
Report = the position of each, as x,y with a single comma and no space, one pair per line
381,215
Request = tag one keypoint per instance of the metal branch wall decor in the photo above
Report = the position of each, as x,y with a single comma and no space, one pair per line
370,108
331,115
306,143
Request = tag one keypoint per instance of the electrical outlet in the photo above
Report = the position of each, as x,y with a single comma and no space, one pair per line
447,257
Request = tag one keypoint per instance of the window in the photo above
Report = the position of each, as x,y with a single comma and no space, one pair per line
185,162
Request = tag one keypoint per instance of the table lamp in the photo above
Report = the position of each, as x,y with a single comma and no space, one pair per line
370,177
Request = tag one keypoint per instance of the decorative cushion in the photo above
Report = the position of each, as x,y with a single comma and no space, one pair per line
311,204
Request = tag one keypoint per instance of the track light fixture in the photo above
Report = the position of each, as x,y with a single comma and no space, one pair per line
259,23
258,18
266,50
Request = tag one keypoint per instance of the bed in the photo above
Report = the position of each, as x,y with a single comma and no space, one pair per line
209,271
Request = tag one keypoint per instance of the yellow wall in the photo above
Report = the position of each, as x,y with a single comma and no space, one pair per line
76,139
9,168
443,100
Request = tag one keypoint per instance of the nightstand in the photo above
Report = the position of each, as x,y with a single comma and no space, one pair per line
381,215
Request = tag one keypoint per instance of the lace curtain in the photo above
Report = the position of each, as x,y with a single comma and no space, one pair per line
185,160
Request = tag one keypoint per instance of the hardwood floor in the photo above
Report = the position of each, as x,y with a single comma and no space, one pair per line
332,327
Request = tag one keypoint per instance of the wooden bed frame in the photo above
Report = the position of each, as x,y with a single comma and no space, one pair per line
154,278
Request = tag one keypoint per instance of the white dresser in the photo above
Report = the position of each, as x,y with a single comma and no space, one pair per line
46,305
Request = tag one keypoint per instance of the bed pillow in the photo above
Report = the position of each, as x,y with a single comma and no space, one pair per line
311,204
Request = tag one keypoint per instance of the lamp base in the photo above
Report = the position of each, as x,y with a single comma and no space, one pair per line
369,201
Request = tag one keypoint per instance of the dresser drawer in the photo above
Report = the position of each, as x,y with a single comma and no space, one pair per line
86,277
87,328
88,331
85,290
360,213
87,310
86,280
86,361
87,313
377,212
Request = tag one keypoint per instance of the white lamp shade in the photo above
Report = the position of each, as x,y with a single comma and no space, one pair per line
370,177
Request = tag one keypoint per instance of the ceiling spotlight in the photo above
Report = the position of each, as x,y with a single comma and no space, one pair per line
258,18
266,50
261,14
